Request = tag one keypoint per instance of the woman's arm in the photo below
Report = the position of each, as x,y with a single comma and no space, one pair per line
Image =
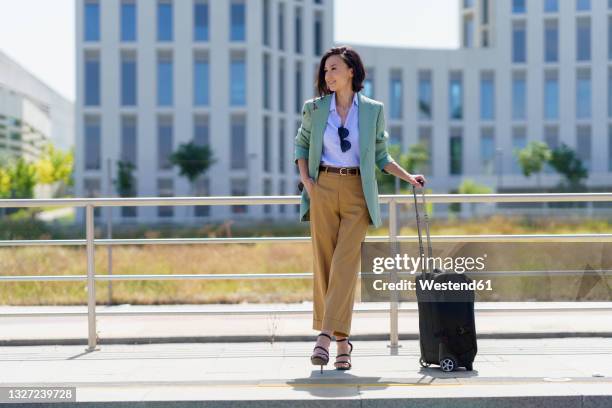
417,180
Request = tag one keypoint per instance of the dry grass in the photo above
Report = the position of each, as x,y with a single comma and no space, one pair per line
211,259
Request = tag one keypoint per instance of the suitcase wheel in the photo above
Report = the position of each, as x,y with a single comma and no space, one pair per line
469,367
423,363
448,364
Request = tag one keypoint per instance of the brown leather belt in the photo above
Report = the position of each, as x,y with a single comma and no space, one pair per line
343,171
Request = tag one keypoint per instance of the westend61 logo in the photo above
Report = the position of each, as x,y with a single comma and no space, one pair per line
411,264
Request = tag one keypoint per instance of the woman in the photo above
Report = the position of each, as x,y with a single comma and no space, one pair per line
340,141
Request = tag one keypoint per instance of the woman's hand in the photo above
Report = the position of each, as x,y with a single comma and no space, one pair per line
308,185
417,180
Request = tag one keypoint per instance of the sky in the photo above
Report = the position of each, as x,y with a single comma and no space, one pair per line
39,34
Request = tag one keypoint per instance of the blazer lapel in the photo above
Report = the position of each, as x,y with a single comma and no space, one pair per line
320,115
364,125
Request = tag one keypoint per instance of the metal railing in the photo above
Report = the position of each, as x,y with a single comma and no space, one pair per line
391,200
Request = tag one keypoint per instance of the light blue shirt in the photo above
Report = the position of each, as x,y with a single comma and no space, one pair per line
332,154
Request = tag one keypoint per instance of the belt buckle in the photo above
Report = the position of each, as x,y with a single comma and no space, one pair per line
343,174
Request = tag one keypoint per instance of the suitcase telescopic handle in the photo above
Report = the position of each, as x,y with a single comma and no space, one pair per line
424,262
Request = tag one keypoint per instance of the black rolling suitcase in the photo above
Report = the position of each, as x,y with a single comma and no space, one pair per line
447,330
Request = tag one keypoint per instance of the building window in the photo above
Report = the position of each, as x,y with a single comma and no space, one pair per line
395,137
128,20
267,145
266,81
238,156
281,26
551,41
164,142
487,151
298,87
267,191
281,85
551,138
164,78
281,146
92,21
610,92
239,187
238,79
318,34
368,83
455,96
484,12
201,79
487,96
610,148
298,30
468,3
583,5
425,138
201,130
396,94
519,141
583,145
610,37
282,184
456,151
128,140
164,20
237,20
519,6
92,143
128,78
551,95
468,32
201,188
583,93
266,22
583,39
92,189
551,6
425,95
165,188
519,42
200,21
92,78
519,95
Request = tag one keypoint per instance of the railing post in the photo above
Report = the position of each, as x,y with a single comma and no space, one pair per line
91,283
393,304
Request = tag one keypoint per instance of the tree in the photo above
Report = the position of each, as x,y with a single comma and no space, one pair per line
469,186
55,166
124,184
5,183
564,160
193,160
532,158
23,179
411,161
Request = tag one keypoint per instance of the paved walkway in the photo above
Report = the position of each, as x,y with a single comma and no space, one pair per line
559,373
223,323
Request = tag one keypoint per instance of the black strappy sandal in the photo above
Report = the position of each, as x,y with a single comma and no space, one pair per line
317,358
344,368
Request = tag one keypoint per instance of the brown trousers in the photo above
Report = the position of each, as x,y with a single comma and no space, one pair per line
339,221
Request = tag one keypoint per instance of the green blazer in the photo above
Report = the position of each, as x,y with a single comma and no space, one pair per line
372,147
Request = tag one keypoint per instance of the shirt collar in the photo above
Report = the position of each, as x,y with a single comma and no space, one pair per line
332,105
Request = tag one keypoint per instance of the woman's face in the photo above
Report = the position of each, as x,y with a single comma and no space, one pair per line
338,76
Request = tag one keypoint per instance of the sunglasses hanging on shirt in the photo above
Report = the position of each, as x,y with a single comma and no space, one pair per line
343,133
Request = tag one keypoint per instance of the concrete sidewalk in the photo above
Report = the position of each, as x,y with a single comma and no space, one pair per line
555,373
116,324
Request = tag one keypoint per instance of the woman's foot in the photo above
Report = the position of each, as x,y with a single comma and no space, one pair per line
320,354
343,357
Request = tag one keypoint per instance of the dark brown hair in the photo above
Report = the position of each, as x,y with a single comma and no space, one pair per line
350,58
